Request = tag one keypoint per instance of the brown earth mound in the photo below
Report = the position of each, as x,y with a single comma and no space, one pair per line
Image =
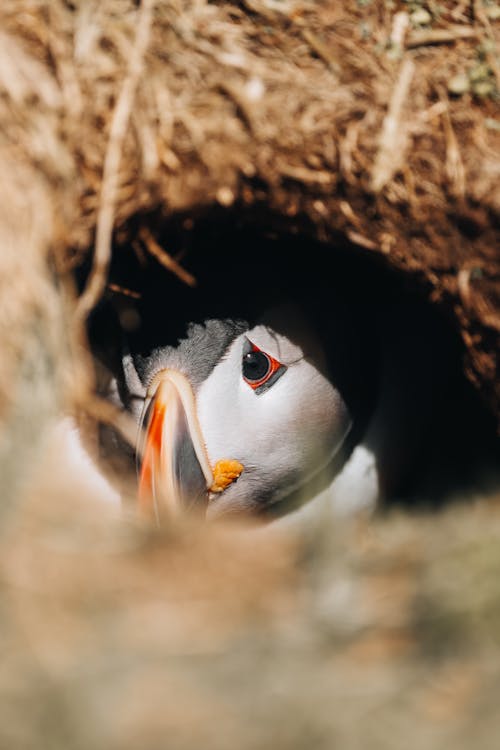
376,122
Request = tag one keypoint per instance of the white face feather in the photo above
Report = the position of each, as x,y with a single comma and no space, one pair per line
283,435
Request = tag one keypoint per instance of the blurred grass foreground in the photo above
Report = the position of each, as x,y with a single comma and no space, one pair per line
381,634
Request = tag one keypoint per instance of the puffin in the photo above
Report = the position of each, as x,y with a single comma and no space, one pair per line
235,418
271,389
255,418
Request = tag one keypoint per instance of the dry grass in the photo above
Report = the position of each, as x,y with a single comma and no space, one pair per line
110,110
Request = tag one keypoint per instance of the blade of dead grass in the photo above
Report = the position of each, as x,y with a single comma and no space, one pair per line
393,134
111,172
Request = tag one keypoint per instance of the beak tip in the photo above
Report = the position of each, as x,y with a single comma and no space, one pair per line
174,469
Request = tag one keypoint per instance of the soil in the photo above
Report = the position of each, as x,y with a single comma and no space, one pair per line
372,123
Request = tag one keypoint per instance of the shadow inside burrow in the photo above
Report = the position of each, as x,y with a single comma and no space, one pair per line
363,313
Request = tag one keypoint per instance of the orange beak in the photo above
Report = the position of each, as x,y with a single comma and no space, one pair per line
175,472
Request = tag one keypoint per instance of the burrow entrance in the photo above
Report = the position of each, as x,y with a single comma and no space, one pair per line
230,264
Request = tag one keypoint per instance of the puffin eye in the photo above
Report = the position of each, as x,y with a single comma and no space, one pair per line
256,366
259,369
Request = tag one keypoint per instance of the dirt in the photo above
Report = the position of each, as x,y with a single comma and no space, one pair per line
340,120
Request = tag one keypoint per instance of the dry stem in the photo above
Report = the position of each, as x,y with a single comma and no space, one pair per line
455,170
124,290
321,49
165,258
392,140
439,36
121,116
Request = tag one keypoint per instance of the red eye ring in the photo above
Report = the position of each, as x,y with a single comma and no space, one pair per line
259,369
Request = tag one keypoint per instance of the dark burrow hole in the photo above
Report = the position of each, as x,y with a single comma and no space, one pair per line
364,315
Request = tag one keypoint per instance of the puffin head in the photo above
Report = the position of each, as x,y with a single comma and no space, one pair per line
234,418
